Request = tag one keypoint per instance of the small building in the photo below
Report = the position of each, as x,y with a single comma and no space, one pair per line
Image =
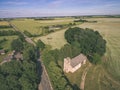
71,65
2,52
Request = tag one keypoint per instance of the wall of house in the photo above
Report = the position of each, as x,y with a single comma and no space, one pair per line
75,68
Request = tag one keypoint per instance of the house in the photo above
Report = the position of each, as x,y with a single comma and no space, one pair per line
71,65
2,52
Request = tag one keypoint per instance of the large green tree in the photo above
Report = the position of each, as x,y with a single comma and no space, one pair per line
88,40
17,45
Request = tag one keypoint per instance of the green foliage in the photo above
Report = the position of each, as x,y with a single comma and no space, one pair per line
8,33
88,40
40,45
5,26
81,20
18,75
27,33
17,45
29,53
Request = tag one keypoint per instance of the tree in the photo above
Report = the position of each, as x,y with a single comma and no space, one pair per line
89,41
17,45
40,45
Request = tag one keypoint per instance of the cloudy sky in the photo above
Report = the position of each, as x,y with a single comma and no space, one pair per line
26,8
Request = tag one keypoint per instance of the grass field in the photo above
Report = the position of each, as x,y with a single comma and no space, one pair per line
6,45
56,40
34,26
5,23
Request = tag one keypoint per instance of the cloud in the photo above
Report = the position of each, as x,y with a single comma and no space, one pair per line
15,3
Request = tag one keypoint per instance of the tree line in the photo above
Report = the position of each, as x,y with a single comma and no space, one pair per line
8,32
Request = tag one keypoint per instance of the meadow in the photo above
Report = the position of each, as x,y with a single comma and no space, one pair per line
35,26
56,39
5,23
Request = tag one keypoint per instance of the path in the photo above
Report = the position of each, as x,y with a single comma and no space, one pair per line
82,84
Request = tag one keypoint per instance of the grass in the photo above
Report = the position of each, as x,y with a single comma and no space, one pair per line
5,23
35,26
7,44
56,39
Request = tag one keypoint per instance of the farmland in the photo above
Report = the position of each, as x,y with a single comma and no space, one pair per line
105,76
35,26
4,25
56,40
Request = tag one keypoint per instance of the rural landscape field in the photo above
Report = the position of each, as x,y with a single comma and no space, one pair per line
100,77
104,76
59,44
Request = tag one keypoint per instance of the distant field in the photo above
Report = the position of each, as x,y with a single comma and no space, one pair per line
4,23
56,40
34,26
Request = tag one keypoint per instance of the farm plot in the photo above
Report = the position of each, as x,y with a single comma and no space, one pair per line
35,26
4,25
56,40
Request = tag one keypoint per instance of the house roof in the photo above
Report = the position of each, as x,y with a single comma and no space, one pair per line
77,60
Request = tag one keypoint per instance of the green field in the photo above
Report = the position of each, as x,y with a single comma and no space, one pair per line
5,23
56,40
7,44
35,26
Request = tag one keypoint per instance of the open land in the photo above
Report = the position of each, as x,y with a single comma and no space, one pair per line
35,26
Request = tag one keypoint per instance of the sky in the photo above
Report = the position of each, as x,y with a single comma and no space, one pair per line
38,8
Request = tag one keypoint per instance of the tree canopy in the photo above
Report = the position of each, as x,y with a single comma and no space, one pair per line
90,41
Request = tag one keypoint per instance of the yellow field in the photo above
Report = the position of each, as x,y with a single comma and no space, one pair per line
56,40
34,26
4,23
